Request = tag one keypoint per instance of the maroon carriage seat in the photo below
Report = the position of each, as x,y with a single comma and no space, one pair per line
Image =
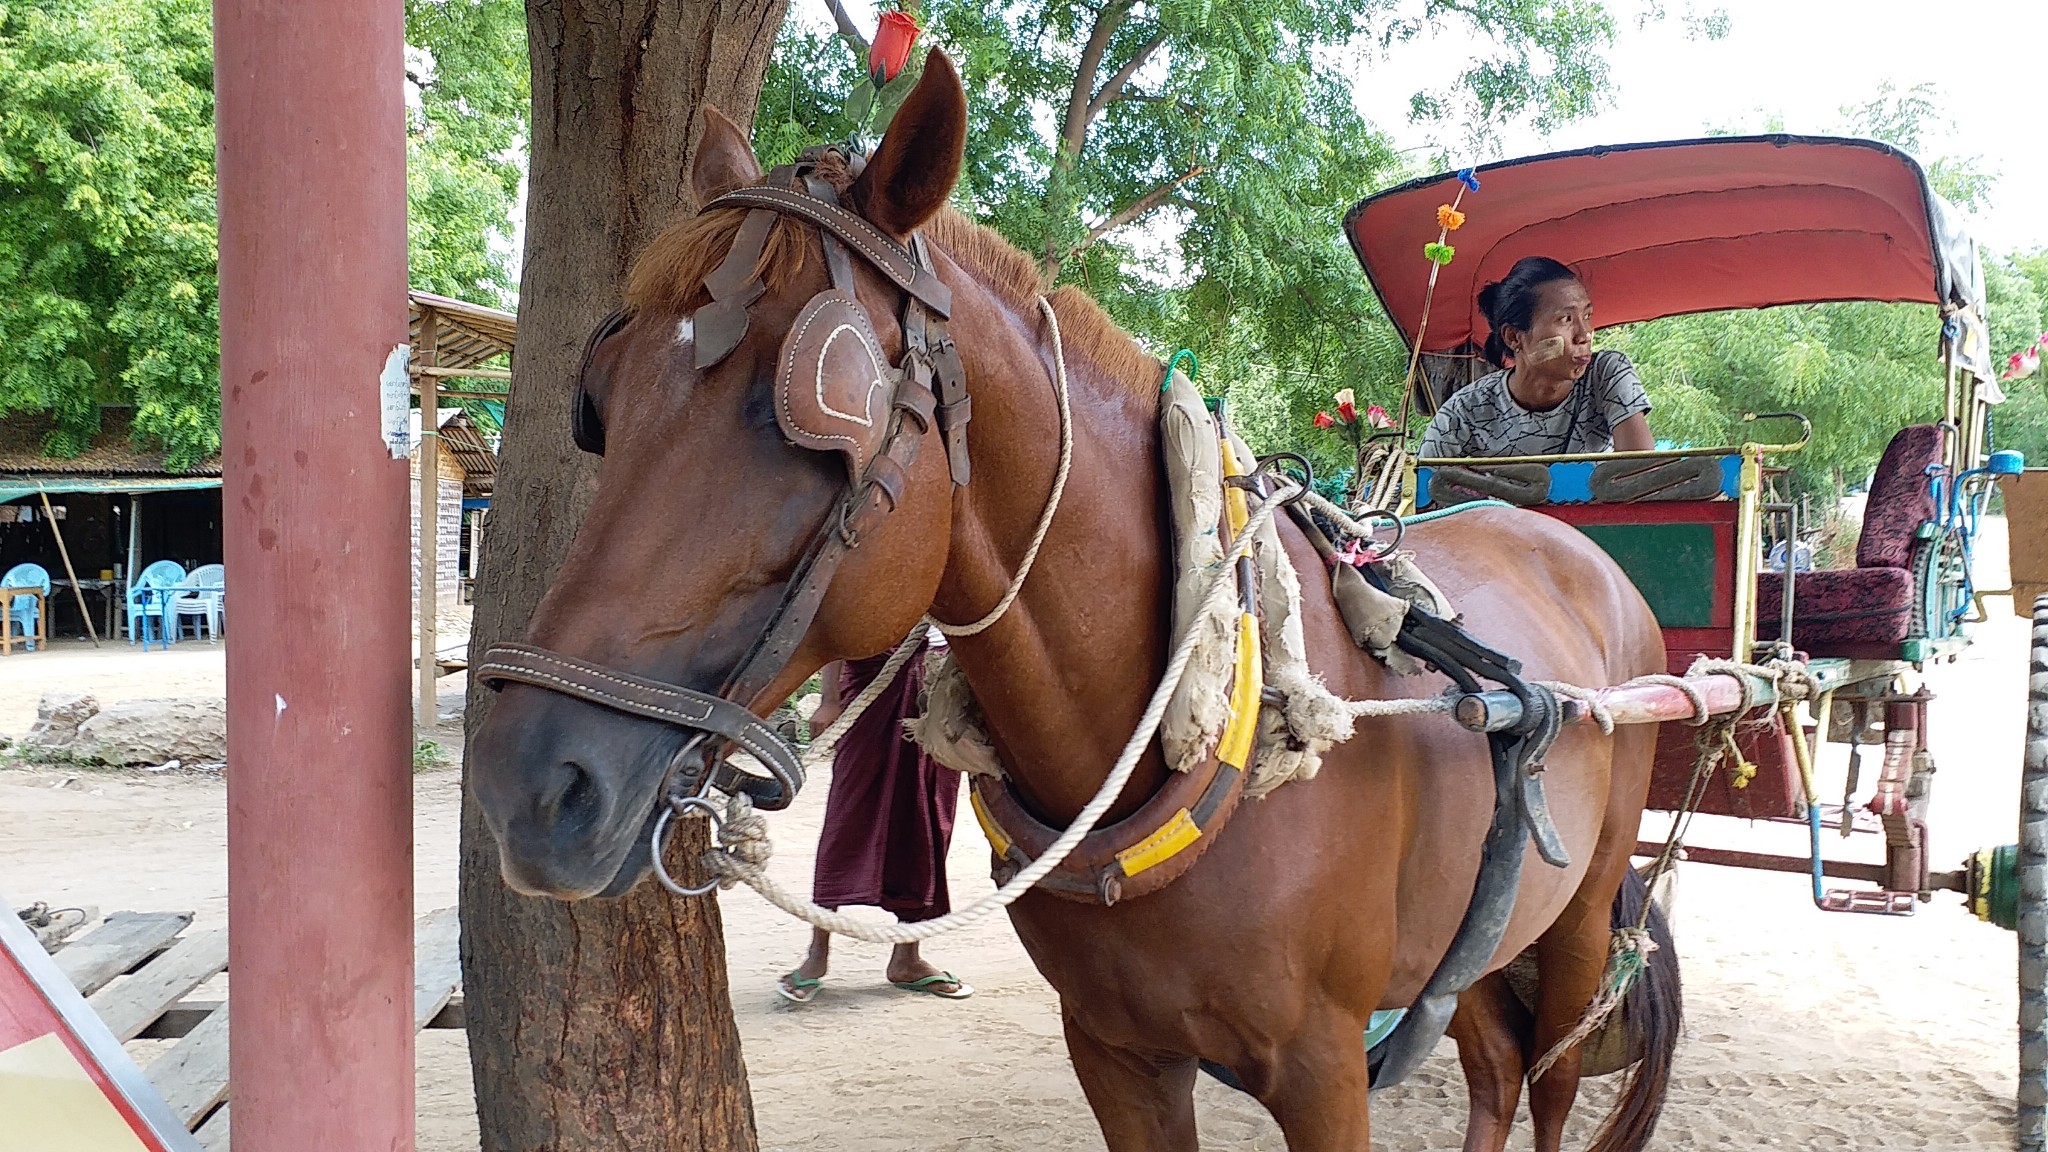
1865,612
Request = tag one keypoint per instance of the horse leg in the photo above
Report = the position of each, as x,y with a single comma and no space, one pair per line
1492,1030
1141,1103
1570,959
1317,1088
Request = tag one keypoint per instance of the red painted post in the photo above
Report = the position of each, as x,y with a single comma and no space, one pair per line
311,135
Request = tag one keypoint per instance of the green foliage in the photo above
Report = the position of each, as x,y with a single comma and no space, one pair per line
107,241
108,247
463,143
1196,179
1859,371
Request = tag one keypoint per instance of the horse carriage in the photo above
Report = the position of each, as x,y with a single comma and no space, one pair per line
1660,230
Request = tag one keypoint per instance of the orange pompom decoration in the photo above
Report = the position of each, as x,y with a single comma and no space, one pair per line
1449,218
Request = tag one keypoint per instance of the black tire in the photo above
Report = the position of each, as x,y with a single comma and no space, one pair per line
2033,897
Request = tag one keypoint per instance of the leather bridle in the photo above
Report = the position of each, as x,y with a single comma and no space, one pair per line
927,386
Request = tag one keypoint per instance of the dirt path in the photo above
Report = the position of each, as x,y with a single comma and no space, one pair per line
1805,1030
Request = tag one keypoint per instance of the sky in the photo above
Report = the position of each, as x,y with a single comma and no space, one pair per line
1801,61
1798,61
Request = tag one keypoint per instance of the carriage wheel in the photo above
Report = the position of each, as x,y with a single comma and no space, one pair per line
2033,898
1938,568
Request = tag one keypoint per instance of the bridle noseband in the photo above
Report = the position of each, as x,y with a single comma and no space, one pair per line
927,386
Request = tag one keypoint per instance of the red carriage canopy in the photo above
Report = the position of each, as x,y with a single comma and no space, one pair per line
1676,227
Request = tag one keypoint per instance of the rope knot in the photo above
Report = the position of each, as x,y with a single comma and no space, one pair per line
743,846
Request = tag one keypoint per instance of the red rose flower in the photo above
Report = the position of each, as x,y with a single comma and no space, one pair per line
1323,420
894,38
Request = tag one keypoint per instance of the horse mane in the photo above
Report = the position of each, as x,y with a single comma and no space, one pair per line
669,276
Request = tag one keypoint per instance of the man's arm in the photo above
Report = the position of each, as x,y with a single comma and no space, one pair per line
1633,435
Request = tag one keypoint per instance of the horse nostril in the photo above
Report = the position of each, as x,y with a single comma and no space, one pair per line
572,797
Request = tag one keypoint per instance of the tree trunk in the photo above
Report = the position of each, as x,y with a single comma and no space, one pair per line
604,1024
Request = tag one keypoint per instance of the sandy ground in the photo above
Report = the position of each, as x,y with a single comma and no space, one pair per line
1805,1029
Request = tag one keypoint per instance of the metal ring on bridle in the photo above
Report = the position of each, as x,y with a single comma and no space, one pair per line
657,844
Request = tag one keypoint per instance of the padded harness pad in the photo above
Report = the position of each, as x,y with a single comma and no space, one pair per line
832,385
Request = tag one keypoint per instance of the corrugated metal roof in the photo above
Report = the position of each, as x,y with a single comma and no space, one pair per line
466,334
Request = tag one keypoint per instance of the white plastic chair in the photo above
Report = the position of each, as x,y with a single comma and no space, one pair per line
204,604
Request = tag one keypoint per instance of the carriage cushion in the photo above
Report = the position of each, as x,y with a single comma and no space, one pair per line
1901,498
1854,613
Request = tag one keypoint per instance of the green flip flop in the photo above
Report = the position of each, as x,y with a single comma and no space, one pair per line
931,986
797,988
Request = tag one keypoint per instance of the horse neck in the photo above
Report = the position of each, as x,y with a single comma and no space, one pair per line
1063,677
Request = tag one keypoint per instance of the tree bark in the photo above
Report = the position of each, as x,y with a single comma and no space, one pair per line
605,1024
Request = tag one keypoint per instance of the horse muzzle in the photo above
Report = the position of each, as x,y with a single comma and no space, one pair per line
570,790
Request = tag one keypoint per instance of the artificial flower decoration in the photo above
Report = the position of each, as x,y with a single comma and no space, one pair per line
877,95
1468,179
1323,420
894,38
1347,406
1449,218
1378,418
1439,253
2023,364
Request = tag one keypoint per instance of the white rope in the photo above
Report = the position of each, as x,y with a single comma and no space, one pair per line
822,747
1052,503
1422,707
742,853
1359,528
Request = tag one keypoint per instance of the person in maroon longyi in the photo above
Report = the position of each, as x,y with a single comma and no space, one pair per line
888,823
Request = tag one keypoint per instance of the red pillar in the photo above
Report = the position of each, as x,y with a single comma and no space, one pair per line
311,137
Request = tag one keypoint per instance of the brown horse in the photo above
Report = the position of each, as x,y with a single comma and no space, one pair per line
1327,900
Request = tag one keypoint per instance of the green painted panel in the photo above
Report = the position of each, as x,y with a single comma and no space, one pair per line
1671,564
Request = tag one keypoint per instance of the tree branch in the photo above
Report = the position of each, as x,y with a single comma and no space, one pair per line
1136,208
1074,132
847,27
1123,76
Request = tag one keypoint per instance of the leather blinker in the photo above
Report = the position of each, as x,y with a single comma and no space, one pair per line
833,388
586,424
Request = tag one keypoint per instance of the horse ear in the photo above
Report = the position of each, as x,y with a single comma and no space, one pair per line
724,160
914,170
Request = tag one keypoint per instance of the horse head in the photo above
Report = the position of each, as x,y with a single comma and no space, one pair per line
776,490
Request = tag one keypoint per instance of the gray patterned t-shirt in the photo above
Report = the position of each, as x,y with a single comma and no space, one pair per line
1483,418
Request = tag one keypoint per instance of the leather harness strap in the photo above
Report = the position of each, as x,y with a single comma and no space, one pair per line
881,252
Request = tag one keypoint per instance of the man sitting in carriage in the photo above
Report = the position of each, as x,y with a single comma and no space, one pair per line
1552,393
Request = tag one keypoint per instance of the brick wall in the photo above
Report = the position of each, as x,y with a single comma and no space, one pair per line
448,538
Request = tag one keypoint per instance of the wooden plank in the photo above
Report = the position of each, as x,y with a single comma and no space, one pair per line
193,1075
437,964
213,1135
129,1006
122,941
454,1016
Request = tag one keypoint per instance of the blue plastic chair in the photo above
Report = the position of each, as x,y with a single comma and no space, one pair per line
162,575
26,611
